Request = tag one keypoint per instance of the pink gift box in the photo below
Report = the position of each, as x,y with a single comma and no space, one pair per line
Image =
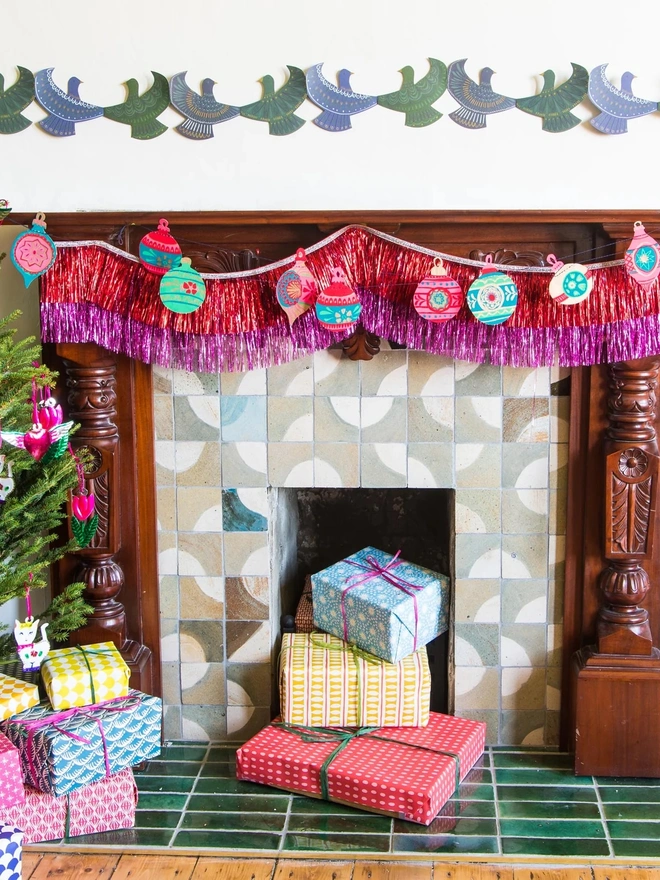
106,805
11,777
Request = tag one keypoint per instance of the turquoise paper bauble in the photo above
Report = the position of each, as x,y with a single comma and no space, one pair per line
493,296
182,289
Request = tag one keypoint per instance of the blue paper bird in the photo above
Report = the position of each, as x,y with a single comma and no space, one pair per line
338,103
617,106
202,112
477,101
64,109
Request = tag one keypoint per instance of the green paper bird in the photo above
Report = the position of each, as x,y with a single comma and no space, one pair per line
140,111
14,100
277,108
554,105
415,98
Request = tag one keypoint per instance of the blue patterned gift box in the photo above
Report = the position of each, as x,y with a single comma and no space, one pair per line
390,613
11,850
66,750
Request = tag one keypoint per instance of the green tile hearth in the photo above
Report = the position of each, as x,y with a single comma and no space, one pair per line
515,802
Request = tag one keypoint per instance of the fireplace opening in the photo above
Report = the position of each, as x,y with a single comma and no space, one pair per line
314,528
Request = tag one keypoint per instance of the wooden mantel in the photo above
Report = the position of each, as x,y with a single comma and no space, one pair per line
611,630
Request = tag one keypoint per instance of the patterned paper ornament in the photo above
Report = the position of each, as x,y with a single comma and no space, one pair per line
571,282
296,288
6,482
84,518
5,210
43,443
159,251
643,256
33,251
493,295
49,412
182,289
338,306
31,653
438,296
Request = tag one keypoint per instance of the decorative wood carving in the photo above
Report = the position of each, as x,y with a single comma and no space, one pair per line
504,257
221,260
361,345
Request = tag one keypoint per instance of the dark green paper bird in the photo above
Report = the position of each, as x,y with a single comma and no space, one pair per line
277,108
554,105
140,111
14,100
415,98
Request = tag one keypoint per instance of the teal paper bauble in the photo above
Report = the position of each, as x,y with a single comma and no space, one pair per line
493,296
182,289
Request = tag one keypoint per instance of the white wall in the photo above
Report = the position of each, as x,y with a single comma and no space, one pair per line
380,164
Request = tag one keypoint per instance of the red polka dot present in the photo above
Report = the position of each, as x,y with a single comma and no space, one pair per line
407,772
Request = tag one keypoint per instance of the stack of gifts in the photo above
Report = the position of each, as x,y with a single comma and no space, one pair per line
355,724
65,763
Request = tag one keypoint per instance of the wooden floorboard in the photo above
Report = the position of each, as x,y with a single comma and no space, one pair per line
30,862
310,870
210,868
72,866
392,871
155,867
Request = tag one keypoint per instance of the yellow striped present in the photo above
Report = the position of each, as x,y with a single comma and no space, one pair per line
16,696
84,675
325,682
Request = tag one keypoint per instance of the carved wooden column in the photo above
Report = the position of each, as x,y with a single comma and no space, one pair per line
617,680
119,567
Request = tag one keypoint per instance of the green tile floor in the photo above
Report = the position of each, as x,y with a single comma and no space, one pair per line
513,803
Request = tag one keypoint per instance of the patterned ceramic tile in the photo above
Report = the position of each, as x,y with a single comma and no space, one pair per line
200,553
247,598
197,418
555,601
199,723
526,727
246,553
523,688
167,555
478,417
169,641
558,477
430,375
168,593
335,374
243,418
245,721
290,464
172,722
524,511
478,465
476,688
203,683
163,418
293,379
383,465
201,641
560,381
556,556
336,419
336,464
171,684
554,635
477,510
477,601
430,465
244,464
164,452
553,688
558,511
202,598
383,419
491,718
478,379
385,375
245,510
525,420
524,465
185,383
524,601
166,508
162,377
197,463
431,419
477,644
199,509
249,684
523,644
290,419
560,409
250,383
478,556
525,382
248,641
524,556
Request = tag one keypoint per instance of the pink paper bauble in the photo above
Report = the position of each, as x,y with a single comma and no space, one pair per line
643,257
438,296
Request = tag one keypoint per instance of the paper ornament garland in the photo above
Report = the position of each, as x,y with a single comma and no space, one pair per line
296,288
338,306
159,251
33,251
643,256
438,296
572,282
5,210
7,484
493,295
182,289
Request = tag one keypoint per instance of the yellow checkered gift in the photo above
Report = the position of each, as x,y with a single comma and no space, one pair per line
16,696
84,675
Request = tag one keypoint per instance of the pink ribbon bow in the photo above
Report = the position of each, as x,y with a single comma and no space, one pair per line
373,570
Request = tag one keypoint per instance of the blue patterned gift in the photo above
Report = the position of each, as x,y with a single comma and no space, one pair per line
62,751
11,850
381,603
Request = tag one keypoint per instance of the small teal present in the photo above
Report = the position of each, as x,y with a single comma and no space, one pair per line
381,603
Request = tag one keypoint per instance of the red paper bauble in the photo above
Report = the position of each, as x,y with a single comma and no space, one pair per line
338,306
438,296
159,250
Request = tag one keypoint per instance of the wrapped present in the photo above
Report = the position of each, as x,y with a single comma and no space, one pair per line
381,603
63,751
84,675
106,805
304,611
16,695
11,850
325,682
11,775
407,772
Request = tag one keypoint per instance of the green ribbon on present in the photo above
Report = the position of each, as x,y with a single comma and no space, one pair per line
358,654
85,651
343,736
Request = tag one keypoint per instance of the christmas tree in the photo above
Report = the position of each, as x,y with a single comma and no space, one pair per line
38,470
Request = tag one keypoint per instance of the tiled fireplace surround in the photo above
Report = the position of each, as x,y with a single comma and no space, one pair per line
498,436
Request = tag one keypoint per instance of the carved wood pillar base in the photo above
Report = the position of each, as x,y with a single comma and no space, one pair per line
617,712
